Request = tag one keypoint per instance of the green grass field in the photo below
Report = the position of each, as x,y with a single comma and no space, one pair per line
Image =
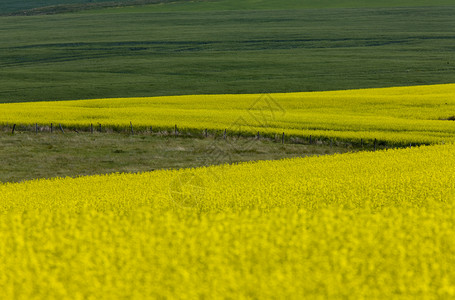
12,6
26,7
26,156
219,5
139,52
50,6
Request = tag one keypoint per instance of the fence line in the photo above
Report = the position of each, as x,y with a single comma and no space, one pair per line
298,139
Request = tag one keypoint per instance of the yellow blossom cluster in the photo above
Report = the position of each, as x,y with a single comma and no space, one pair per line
367,225
397,115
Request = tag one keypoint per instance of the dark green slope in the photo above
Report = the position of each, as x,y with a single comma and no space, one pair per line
214,5
11,6
39,7
143,53
21,7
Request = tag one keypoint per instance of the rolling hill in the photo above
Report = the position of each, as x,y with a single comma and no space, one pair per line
240,47
56,6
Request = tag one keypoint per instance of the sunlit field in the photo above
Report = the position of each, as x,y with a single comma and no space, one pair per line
358,225
397,115
227,149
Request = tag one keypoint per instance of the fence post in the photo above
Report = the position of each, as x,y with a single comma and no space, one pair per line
224,136
61,128
91,128
361,143
131,124
14,127
282,139
310,139
175,130
151,129
258,136
52,127
375,141
100,127
36,127
206,134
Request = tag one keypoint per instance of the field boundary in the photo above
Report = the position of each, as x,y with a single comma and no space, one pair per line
371,144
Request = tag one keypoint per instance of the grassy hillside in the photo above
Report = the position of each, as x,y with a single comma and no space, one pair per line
70,6
213,5
48,155
11,6
148,54
35,6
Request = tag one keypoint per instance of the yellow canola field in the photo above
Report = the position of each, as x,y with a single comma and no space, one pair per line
361,226
397,115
